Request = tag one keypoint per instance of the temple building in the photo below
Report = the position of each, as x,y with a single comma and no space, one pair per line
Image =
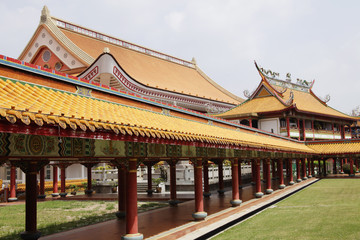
290,109
105,60
76,98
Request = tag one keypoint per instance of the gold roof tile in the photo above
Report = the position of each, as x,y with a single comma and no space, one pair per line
47,106
153,71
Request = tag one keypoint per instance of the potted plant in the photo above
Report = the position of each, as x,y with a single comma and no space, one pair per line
114,187
157,182
74,189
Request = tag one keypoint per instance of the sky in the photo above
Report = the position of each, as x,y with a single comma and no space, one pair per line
311,39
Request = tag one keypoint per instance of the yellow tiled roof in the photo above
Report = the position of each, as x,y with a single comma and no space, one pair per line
28,103
307,102
336,148
256,105
155,72
304,101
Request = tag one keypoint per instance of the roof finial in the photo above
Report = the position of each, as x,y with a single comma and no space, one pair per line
193,61
45,14
106,50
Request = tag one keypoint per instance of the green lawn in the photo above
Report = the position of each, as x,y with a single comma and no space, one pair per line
57,216
329,209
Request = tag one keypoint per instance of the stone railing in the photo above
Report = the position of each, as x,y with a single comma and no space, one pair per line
184,173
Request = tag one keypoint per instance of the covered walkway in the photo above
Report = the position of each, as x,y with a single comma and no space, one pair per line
174,222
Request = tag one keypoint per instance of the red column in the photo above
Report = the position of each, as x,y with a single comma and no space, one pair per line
199,213
131,202
351,167
303,161
221,177
298,170
89,178
206,179
63,177
298,125
291,180
273,169
288,126
253,172
12,184
173,201
312,168
281,174
324,168
235,183
30,203
319,168
286,168
309,168
341,165
239,173
55,181
334,166
149,179
258,193
268,177
313,129
250,122
121,192
304,130
42,183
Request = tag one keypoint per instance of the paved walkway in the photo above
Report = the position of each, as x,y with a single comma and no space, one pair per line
159,221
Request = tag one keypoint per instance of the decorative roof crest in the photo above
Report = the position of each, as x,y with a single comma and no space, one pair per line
291,99
274,79
247,93
106,50
356,112
326,98
45,14
193,61
269,73
210,108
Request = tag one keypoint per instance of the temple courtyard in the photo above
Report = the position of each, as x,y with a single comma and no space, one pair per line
324,209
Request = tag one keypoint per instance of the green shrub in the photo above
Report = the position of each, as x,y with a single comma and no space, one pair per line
346,168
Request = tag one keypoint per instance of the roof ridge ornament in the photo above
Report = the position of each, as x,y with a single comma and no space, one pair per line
356,111
274,79
45,14
326,98
106,50
291,99
247,93
193,61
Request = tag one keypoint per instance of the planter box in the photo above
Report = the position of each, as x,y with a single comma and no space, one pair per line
103,188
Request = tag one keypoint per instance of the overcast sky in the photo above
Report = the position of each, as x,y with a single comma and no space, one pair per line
311,39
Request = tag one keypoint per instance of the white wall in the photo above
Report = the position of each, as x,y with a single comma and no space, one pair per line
270,125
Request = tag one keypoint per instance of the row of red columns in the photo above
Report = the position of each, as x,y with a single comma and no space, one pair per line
41,189
172,181
127,179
